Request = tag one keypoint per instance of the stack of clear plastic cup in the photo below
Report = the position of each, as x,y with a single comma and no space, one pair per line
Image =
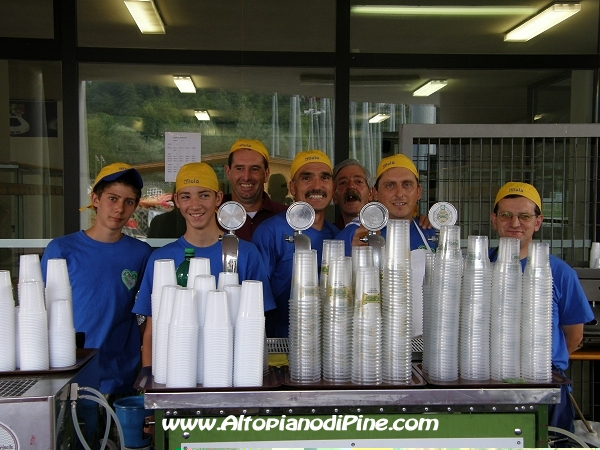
367,365
475,311
331,249
444,310
396,304
361,257
427,302
594,255
161,323
33,327
203,284
58,285
249,336
218,342
337,322
305,320
226,278
163,275
8,343
505,329
61,334
198,266
182,353
536,318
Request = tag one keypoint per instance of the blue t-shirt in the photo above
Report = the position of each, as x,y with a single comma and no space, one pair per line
105,278
269,237
250,267
570,306
416,240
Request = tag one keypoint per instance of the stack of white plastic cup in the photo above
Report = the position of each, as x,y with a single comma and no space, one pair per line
442,348
367,366
505,329
8,344
337,322
61,334
249,336
305,320
218,342
595,255
29,269
536,318
198,266
396,304
163,275
427,305
475,311
226,278
332,249
33,327
161,323
182,353
203,284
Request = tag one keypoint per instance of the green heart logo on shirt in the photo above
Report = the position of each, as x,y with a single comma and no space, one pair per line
129,278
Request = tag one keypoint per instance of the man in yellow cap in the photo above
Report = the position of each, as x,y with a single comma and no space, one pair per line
198,197
247,171
312,182
397,188
518,214
105,270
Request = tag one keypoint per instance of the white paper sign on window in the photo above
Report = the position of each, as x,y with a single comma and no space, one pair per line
180,149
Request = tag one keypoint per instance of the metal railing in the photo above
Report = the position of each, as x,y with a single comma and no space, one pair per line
466,165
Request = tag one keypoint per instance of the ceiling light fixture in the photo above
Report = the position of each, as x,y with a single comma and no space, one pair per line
146,16
202,115
398,10
378,118
429,88
185,84
542,22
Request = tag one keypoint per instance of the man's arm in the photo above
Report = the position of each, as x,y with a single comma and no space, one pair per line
147,343
573,336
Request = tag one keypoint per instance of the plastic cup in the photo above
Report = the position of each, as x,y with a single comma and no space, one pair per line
5,278
508,250
226,278
31,296
594,255
57,274
198,266
164,274
234,293
185,308
60,316
29,268
202,285
217,310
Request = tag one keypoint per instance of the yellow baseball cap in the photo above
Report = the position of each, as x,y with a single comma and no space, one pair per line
398,160
517,188
111,173
250,144
196,174
309,156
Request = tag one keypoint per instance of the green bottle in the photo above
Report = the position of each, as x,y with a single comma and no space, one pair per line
184,267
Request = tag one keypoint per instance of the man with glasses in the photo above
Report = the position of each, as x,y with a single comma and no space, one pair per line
518,214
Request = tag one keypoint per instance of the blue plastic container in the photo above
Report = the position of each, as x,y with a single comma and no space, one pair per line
131,413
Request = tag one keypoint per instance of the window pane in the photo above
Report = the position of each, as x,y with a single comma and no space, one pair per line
129,109
27,19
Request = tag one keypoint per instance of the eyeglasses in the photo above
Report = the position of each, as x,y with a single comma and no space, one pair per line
507,216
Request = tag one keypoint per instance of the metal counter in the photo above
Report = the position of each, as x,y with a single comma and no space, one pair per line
508,416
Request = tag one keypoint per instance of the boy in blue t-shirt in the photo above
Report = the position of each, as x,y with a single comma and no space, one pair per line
198,197
105,269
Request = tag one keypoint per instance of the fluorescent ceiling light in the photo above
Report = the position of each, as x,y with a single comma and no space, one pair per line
429,88
378,118
389,10
185,84
543,21
202,115
146,16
